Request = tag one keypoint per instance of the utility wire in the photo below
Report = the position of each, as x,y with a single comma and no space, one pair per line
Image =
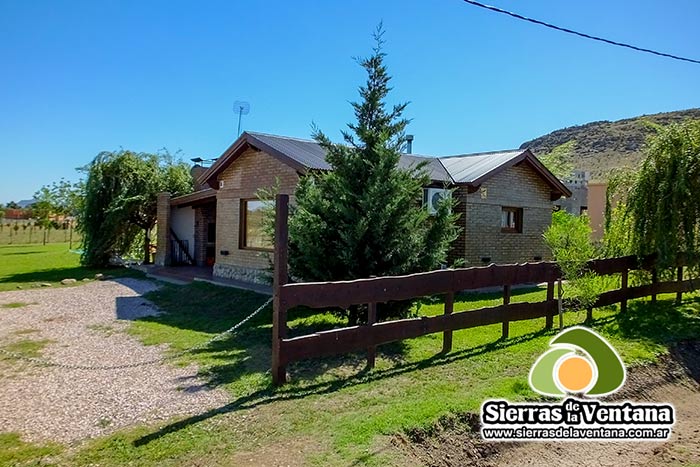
580,34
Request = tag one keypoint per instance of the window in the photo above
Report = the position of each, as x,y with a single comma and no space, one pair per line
252,235
512,220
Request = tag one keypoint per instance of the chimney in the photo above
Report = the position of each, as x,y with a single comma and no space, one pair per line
409,144
196,171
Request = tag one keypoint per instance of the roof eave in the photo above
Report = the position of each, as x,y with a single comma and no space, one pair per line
209,176
244,142
558,188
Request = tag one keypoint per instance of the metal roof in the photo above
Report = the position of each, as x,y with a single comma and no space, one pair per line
468,168
435,169
306,152
311,155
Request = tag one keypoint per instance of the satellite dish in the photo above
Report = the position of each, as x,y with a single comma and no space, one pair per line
243,108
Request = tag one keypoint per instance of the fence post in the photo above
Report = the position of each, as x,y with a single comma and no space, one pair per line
560,291
623,287
550,296
679,277
654,282
506,301
280,278
371,319
447,335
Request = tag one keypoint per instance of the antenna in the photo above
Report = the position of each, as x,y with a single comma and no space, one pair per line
243,108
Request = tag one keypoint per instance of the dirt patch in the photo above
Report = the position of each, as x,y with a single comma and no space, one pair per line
455,441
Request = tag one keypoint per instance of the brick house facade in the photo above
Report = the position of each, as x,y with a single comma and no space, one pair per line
483,240
509,187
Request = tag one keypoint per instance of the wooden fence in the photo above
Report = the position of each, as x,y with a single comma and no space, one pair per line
372,291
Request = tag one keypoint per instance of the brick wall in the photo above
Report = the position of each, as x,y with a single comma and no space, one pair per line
480,215
241,180
517,186
163,234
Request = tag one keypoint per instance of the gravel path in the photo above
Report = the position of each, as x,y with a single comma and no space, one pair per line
84,325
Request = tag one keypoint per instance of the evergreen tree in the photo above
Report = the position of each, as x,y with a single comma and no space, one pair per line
364,217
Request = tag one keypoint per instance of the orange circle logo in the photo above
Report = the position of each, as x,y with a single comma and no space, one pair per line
575,373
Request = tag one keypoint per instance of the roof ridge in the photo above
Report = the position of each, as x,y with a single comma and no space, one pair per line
486,153
258,133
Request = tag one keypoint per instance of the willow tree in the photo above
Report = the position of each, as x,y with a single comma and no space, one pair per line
665,200
121,193
364,217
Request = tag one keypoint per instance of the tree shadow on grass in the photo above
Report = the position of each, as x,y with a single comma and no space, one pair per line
662,322
270,394
22,253
211,309
56,275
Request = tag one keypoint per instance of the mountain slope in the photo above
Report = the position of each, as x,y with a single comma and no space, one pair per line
601,146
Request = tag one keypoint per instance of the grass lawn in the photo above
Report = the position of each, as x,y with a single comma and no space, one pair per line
31,234
26,266
333,410
14,451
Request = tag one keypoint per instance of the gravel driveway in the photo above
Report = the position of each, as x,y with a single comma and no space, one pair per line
84,325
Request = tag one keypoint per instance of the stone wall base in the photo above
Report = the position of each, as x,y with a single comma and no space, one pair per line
255,276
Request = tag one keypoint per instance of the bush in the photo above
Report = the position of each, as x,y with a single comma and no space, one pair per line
569,239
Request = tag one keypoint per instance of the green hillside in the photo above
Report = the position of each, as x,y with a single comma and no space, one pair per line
600,146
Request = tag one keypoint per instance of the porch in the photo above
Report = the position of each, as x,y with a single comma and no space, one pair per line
184,275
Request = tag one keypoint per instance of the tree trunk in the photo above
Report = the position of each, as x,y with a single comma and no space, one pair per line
147,246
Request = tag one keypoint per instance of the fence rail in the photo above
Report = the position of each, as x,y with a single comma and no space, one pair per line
373,291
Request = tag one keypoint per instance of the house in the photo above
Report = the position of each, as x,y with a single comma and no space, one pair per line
505,200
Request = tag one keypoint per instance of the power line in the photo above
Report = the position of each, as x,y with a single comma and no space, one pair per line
580,34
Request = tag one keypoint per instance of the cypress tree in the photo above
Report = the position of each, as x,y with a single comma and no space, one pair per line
365,217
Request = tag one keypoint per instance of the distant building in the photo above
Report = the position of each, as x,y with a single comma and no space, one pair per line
587,197
596,208
577,183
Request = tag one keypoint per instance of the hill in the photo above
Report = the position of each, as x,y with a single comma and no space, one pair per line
600,146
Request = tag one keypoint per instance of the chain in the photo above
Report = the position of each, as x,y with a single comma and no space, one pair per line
218,337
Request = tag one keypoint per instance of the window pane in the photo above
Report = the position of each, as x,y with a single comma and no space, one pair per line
511,219
254,235
504,218
508,218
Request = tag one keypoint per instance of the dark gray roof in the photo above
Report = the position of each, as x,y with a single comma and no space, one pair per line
309,154
435,169
306,152
468,168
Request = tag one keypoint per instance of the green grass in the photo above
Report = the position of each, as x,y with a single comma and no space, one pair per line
34,236
26,266
31,348
15,452
341,412
27,347
14,305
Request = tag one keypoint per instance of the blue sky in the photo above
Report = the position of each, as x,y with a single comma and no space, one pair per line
81,77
